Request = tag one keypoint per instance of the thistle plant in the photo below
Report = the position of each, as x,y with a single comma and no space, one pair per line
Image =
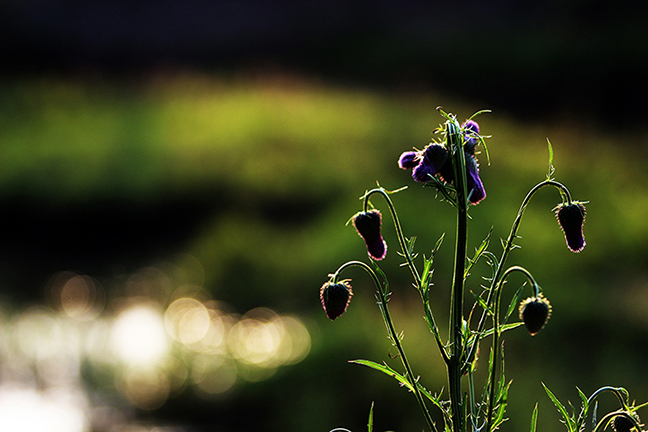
450,167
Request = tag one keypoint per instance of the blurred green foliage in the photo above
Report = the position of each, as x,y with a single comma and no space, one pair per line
282,162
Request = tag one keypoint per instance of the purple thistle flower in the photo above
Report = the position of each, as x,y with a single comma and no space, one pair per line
368,226
474,185
471,130
432,160
408,160
335,298
571,218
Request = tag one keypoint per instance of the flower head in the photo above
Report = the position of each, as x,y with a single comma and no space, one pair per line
432,160
335,298
535,312
474,185
368,226
571,218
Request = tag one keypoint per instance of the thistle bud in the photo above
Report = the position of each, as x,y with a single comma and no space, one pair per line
622,423
368,226
408,160
433,158
335,298
571,218
535,312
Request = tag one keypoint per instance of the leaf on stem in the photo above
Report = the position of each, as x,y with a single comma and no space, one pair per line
568,420
534,418
478,253
551,171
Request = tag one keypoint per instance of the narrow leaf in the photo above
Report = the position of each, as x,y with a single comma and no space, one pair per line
514,302
386,370
370,422
551,167
534,418
478,253
561,409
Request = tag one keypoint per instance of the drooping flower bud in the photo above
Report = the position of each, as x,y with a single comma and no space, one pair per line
368,226
571,218
408,160
474,185
535,312
335,298
622,423
433,158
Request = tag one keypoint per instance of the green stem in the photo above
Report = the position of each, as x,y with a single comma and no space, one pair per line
410,261
508,248
497,332
454,140
399,230
382,303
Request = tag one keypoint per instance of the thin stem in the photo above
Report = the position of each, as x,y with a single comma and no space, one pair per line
497,331
399,230
509,247
408,257
382,304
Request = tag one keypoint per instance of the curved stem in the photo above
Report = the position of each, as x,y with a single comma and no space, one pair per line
382,304
399,230
410,261
507,249
618,392
497,331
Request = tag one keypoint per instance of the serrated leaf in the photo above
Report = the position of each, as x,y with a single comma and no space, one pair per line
478,253
561,409
505,327
386,370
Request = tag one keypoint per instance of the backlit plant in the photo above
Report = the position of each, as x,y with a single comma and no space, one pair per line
449,165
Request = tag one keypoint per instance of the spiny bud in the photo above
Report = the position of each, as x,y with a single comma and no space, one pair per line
622,423
535,312
571,218
368,226
335,298
432,160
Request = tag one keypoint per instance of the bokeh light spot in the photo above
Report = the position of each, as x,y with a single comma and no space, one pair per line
138,336
187,320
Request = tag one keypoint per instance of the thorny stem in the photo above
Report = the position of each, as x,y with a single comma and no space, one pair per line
497,331
408,257
508,248
456,301
382,303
